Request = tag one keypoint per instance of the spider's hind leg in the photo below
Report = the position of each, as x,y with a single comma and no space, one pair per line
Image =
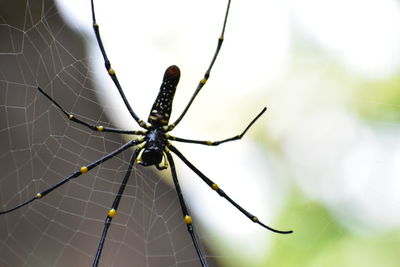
216,143
111,72
203,81
98,128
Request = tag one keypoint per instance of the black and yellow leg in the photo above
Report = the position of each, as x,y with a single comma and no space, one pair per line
203,81
216,143
140,149
113,210
97,128
111,72
217,189
164,164
186,216
82,170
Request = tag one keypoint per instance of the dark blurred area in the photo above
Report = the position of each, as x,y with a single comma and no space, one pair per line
39,147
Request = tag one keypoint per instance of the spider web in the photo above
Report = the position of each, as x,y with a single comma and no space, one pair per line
332,131
39,147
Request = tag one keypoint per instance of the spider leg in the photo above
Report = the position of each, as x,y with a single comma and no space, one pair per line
98,128
203,81
216,143
113,211
187,218
216,188
111,72
82,170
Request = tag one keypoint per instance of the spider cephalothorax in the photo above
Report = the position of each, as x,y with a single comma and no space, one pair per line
153,148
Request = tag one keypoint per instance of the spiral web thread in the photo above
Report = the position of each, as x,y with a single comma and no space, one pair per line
39,147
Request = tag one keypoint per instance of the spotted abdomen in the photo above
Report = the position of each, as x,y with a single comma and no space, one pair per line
162,107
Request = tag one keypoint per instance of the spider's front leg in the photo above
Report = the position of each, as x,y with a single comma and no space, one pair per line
186,216
217,189
114,207
77,173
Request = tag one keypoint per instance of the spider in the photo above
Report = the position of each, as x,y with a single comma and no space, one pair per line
152,146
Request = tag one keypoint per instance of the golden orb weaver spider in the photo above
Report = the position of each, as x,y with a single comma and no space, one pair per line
152,147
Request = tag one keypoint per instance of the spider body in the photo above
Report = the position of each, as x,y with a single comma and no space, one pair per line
152,147
155,138
162,107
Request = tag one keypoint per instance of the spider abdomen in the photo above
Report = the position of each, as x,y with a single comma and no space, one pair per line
162,107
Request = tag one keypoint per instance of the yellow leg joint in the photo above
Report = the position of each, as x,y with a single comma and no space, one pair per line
203,81
215,187
188,219
140,146
100,128
70,116
165,161
111,71
254,219
38,195
139,158
112,213
84,169
144,124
